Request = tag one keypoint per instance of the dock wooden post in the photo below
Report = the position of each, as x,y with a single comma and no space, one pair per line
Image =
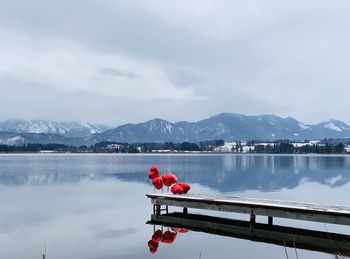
252,217
157,209
252,221
270,220
185,210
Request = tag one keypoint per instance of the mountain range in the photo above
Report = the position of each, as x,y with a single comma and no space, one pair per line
66,129
227,126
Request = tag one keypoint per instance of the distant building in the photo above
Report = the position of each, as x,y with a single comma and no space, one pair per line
113,147
347,148
226,148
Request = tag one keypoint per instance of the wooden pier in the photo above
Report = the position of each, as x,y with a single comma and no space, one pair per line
335,214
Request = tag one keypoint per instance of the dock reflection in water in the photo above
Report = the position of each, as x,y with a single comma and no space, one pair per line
297,238
163,236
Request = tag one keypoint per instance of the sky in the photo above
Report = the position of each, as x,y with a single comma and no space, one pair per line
114,62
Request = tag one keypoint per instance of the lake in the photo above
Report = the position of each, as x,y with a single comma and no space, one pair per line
94,206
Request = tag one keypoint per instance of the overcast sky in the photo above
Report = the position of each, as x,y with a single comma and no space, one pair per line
113,62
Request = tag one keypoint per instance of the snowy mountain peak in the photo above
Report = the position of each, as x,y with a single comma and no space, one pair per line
332,126
67,129
335,125
303,126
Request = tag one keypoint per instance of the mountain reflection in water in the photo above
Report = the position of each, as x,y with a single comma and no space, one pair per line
264,173
224,173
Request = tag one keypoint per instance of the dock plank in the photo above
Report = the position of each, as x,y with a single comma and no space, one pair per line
327,213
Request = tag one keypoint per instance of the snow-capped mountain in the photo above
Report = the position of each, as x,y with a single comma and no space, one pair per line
18,139
67,129
227,126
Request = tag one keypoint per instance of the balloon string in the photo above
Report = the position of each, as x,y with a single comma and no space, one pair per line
169,165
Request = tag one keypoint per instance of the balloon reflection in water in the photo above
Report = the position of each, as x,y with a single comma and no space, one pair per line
167,237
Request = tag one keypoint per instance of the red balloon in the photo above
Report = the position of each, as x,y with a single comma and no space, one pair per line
153,172
177,189
179,230
153,246
168,237
158,182
169,179
152,175
185,186
154,169
157,236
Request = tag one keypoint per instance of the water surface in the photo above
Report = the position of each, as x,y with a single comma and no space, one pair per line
94,206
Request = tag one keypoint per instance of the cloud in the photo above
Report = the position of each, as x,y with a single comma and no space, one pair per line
183,78
117,72
170,58
69,66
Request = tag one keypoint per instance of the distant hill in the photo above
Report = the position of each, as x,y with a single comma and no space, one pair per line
12,138
66,129
226,126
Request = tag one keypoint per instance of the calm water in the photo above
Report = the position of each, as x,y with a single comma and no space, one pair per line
94,206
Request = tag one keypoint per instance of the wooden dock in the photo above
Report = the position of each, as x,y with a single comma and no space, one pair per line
321,241
335,214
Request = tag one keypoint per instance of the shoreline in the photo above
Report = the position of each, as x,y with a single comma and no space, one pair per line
172,154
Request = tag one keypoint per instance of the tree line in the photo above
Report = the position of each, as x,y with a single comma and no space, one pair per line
114,147
288,148
282,147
